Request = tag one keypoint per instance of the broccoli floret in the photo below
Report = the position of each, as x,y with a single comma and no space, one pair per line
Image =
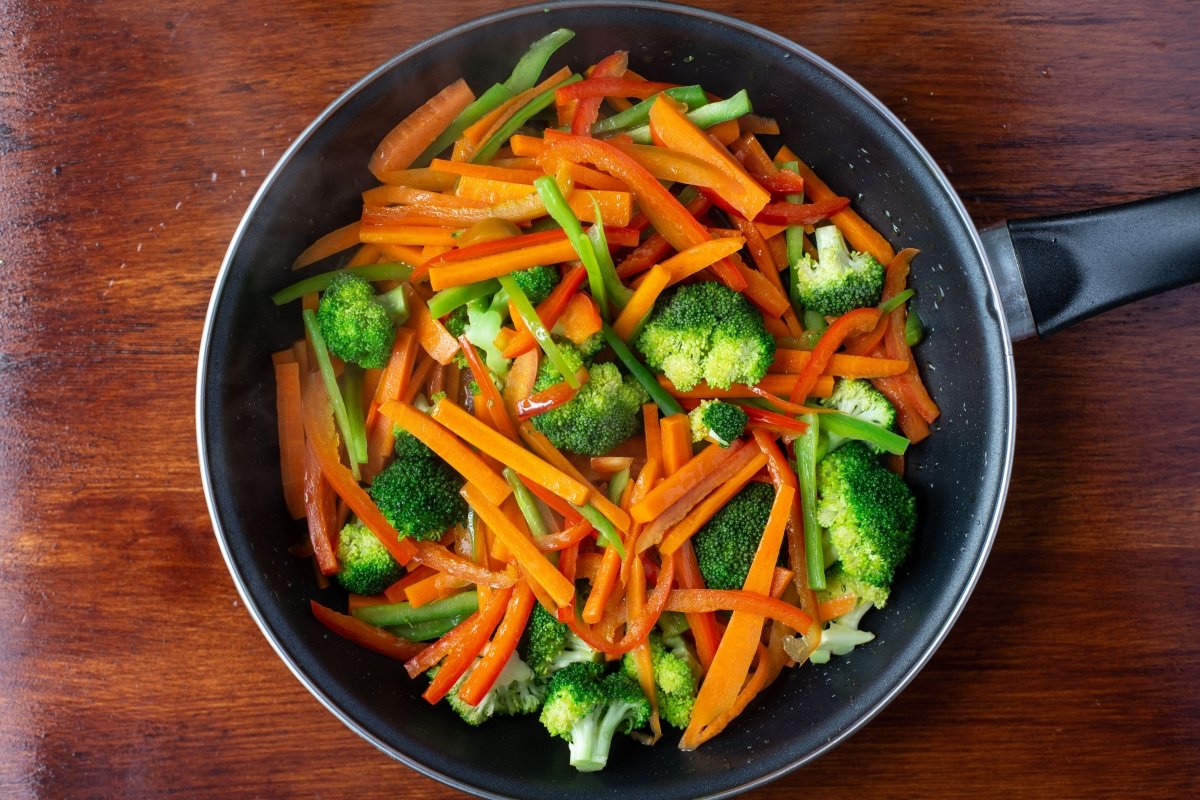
552,645
839,583
485,318
588,710
859,398
591,346
842,635
359,326
725,546
366,567
537,282
707,332
419,493
674,679
456,321
516,691
838,280
606,411
717,422
869,511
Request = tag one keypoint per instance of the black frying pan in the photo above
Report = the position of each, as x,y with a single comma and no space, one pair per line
974,293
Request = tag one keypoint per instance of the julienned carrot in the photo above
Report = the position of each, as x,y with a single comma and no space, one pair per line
638,627
432,334
690,261
401,146
331,243
469,645
502,646
460,273
647,477
538,442
366,635
614,205
764,672
320,508
679,133
842,365
837,606
549,310
392,385
858,231
510,453
492,400
424,591
635,599
640,305
676,485
609,465
762,605
676,442
732,662
421,178
521,546
322,442
653,432
407,234
467,169
448,446
582,176
602,586
703,511
760,291
781,581
852,322
291,436
396,593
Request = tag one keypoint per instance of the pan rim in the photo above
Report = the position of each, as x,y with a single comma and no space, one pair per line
959,210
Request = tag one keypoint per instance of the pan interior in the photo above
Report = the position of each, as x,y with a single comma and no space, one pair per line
959,474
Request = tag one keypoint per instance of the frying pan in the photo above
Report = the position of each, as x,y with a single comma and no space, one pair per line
976,293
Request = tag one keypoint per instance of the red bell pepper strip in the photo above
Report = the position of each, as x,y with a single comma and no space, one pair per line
860,319
549,398
769,419
588,108
365,635
610,87
637,628
801,213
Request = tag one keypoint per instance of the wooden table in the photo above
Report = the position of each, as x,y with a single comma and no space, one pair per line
133,135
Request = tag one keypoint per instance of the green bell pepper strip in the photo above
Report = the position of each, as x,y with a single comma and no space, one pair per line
794,239
914,329
606,534
486,103
329,378
532,321
489,148
447,300
395,271
391,614
806,471
560,211
691,96
641,374
529,68
352,396
617,484
855,428
426,631
705,116
618,293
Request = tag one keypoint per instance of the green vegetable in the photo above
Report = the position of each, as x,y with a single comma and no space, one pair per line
498,139
666,403
914,329
427,631
707,332
537,282
358,325
838,280
589,710
395,271
456,297
866,415
691,96
529,314
527,502
551,645
388,615
516,691
717,421
726,545
706,115
419,494
674,679
870,514
357,449
365,565
806,473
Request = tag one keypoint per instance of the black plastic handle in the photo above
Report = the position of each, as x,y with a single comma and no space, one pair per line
1077,265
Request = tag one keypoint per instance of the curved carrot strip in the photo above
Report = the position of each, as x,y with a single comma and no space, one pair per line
403,143
331,243
469,645
762,605
707,508
365,635
678,484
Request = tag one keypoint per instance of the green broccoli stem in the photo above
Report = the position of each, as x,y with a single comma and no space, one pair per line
529,67
352,396
914,329
489,148
806,471
425,631
389,615
527,503
560,211
706,115
329,378
606,533
447,300
395,271
691,96
529,314
667,403
854,428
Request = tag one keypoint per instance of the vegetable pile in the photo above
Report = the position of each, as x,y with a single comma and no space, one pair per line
601,419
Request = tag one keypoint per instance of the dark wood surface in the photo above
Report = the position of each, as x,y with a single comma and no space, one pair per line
132,136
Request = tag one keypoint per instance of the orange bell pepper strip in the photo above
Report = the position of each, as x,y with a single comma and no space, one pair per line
581,318
642,302
403,143
469,170
502,646
680,134
331,243
365,635
436,556
856,321
551,397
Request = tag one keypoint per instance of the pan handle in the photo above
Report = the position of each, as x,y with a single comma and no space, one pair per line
1055,271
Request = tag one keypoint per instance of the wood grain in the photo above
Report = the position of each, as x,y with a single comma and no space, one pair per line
133,135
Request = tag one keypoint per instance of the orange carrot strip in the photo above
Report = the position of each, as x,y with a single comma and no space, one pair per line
586,176
653,432
843,365
763,674
291,436
676,443
700,256
508,452
401,146
366,635
421,178
392,385
732,662
703,511
837,606
406,234
432,334
331,243
781,581
492,400
521,546
387,194
502,646
538,442
706,631
635,598
448,446
424,591
609,465
775,384
467,169
602,586
320,509
858,231
461,273
761,605
322,443
615,206
642,301
396,592
679,483
469,645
